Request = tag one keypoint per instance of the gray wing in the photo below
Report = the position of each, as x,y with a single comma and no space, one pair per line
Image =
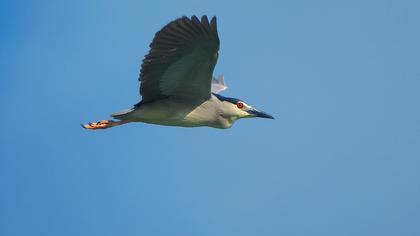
181,60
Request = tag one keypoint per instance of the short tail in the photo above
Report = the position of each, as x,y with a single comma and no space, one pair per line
122,115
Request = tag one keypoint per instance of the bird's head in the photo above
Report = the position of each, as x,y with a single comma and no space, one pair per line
236,108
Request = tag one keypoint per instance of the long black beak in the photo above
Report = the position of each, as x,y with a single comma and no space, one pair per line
257,113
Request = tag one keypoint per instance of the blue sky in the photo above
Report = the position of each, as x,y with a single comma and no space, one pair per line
341,158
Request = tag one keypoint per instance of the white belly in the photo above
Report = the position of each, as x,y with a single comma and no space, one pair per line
177,113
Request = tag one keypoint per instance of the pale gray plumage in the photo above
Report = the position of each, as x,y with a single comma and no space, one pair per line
177,84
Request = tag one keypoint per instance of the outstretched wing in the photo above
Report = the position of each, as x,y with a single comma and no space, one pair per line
181,60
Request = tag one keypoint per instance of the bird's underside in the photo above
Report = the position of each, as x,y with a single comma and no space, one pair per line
170,112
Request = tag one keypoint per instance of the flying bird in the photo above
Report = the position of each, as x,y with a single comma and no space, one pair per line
177,84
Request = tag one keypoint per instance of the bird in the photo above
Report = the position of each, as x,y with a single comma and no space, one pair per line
177,85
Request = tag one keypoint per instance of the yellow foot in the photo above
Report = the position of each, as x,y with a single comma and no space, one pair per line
103,124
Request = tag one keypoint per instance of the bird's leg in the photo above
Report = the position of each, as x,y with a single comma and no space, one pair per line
103,124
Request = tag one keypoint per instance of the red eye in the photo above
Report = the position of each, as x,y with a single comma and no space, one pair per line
240,105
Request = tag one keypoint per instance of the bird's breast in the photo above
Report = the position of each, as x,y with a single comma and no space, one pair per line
180,113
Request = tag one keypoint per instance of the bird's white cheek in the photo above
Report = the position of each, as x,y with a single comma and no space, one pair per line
244,114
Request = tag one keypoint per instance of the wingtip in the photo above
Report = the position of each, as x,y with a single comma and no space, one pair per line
205,20
195,18
213,20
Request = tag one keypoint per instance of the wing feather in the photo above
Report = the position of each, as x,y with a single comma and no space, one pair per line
181,60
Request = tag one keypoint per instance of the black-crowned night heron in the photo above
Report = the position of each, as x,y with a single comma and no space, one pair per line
177,84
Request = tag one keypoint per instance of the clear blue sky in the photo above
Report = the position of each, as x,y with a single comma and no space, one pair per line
342,156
